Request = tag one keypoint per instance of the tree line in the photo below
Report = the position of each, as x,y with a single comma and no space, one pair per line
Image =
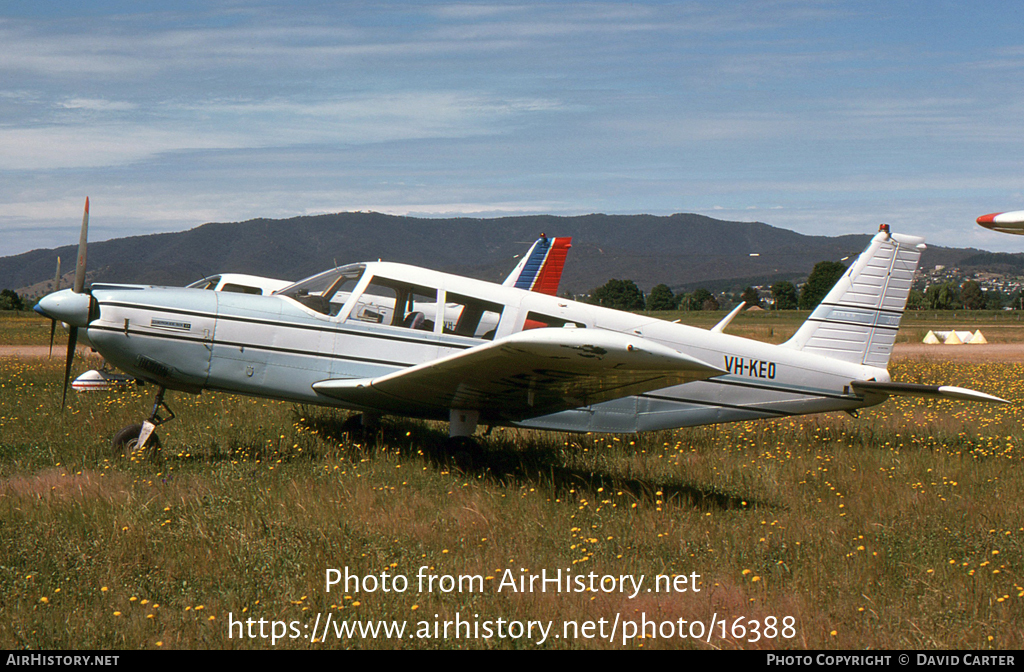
966,296
625,295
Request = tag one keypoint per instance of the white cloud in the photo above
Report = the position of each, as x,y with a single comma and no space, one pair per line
50,148
225,124
98,105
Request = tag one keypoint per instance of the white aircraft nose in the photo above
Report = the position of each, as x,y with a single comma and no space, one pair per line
66,306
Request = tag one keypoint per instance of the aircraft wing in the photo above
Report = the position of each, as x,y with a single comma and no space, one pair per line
527,374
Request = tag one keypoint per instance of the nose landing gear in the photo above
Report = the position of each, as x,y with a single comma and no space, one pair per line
140,436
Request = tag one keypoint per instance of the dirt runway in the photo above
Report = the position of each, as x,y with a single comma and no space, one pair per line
35,351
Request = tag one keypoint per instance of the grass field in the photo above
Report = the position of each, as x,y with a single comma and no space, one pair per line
901,528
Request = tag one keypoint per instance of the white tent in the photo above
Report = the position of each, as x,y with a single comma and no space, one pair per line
962,336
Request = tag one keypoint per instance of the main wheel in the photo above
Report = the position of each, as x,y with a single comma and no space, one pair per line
355,429
464,451
126,440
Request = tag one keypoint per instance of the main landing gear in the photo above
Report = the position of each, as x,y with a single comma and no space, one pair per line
460,446
137,437
460,449
361,426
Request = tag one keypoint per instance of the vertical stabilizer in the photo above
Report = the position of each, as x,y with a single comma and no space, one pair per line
858,319
541,269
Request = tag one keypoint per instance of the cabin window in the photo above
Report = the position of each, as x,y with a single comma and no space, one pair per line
539,321
327,292
467,316
240,289
397,304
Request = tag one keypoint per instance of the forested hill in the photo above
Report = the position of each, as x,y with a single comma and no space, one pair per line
682,250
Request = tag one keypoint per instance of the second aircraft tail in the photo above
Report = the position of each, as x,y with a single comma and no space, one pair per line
541,269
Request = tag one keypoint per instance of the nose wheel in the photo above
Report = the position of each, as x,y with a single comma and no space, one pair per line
126,441
142,436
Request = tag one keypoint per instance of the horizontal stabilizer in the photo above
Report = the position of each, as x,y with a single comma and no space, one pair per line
915,390
720,327
525,375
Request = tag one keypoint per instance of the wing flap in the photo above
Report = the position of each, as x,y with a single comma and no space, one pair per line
527,374
915,390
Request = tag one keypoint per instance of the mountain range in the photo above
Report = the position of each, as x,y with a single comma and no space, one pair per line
683,251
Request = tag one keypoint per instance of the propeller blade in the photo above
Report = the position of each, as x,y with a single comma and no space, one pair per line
72,340
56,288
80,267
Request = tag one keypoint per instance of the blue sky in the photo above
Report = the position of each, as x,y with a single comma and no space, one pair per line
821,117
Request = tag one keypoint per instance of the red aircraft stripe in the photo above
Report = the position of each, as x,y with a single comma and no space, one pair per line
550,273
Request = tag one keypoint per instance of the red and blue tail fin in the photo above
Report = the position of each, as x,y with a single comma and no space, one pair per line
541,269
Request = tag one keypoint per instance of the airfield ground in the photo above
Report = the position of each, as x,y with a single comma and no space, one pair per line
901,528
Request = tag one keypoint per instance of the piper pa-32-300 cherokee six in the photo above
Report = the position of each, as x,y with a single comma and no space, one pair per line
388,338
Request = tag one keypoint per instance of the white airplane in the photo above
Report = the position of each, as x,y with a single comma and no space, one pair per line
512,356
1005,222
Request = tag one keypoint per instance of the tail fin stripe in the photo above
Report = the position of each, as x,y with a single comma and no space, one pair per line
852,324
880,310
533,265
551,270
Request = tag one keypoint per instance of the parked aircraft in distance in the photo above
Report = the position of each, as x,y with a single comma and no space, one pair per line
1005,222
388,338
